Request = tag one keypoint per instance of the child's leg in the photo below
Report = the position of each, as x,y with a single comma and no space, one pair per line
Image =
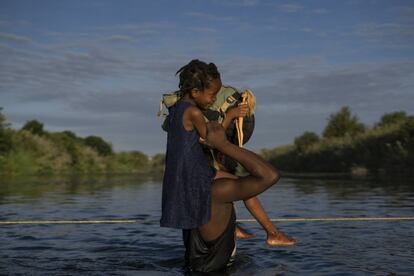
241,233
274,236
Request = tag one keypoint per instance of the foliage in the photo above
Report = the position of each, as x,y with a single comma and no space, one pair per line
62,153
3,121
34,127
5,135
5,141
138,159
306,140
32,154
70,134
393,118
388,149
158,163
133,161
346,146
69,144
343,123
99,144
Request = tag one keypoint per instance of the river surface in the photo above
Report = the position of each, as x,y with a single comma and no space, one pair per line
143,248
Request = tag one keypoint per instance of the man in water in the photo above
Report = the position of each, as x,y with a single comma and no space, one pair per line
212,247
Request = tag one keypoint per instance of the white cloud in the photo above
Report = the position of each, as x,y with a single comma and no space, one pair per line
240,3
13,38
14,24
320,11
369,87
290,8
211,17
117,86
119,38
386,34
145,28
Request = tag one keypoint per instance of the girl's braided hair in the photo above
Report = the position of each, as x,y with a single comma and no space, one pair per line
196,74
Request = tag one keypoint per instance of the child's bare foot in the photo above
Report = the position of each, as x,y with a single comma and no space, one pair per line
243,234
279,238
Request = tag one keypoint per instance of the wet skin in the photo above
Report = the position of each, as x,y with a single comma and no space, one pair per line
226,190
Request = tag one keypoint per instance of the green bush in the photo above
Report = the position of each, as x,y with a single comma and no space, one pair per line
158,163
5,134
99,144
387,148
34,127
343,123
306,140
134,161
5,141
398,117
32,150
4,124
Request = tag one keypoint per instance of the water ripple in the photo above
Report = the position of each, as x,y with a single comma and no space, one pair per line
324,248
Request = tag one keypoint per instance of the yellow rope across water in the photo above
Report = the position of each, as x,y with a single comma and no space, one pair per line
331,219
239,220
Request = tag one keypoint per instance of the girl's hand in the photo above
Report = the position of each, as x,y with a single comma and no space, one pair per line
240,111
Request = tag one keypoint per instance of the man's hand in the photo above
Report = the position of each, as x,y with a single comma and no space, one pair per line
216,136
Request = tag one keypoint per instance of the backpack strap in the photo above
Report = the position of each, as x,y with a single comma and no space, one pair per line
161,112
211,115
168,100
215,163
230,101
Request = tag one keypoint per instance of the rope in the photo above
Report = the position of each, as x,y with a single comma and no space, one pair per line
239,220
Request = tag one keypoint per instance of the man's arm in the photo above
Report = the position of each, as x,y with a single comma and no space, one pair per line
262,174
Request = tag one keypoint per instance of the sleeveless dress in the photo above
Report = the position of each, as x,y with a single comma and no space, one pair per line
188,176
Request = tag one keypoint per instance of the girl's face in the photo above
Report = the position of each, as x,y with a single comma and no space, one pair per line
205,98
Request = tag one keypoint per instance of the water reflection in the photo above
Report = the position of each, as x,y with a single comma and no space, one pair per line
34,187
354,188
325,248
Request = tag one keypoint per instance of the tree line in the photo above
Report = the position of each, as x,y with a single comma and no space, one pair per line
32,150
348,146
345,146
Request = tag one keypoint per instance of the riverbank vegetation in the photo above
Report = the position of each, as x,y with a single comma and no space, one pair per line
32,150
348,146
345,146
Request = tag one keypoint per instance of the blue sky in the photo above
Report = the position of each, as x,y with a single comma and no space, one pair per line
100,67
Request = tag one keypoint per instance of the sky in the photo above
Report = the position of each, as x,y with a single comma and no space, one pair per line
100,67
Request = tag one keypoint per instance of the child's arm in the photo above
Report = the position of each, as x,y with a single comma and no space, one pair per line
194,118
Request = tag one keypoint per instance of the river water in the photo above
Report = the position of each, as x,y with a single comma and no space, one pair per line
324,248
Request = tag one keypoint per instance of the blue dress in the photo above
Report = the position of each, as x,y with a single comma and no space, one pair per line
188,176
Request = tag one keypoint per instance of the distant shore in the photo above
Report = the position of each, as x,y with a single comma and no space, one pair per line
347,148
